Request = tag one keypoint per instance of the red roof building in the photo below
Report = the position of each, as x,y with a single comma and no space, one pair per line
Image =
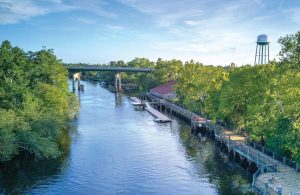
166,90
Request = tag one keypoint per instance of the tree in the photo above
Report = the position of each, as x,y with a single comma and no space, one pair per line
34,102
290,49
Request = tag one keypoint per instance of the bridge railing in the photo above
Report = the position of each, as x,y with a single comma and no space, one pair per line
109,68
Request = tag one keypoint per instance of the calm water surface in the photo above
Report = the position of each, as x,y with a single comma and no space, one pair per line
113,148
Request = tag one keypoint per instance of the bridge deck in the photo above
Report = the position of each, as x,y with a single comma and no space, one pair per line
109,68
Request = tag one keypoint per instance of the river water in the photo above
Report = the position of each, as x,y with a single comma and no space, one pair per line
112,148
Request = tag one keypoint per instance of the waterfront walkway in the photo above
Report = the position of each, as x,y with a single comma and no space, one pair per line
272,175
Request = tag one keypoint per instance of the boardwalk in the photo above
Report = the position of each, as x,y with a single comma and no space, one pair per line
272,175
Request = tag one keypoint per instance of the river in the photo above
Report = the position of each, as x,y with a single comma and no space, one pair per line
112,148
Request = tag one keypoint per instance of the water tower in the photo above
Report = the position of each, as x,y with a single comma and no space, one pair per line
262,50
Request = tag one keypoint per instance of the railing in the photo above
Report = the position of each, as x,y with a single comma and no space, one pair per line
261,187
246,151
170,104
110,68
274,155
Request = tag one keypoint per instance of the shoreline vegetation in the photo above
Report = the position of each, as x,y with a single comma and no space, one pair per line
35,103
261,101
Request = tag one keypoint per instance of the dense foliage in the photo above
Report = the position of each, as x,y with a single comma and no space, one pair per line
261,101
34,102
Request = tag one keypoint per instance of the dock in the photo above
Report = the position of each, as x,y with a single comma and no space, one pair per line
159,117
135,100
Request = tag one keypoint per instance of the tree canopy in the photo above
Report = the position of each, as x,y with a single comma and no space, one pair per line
34,102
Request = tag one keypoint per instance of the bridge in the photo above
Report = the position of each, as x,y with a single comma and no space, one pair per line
75,71
109,68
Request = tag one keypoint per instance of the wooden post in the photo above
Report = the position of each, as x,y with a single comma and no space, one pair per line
284,160
248,153
228,141
266,189
273,155
297,166
257,157
73,85
118,83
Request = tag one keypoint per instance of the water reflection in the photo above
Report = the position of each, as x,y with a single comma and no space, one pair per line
24,172
118,99
227,177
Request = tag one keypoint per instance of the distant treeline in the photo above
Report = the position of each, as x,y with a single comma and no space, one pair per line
262,101
34,103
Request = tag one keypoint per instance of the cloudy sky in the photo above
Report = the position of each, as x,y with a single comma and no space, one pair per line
97,31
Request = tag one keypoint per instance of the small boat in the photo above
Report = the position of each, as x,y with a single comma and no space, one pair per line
158,120
138,104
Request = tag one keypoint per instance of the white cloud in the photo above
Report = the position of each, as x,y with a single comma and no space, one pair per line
217,32
115,27
86,20
191,22
93,6
293,14
13,11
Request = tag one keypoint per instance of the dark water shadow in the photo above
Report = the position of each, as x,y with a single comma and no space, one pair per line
24,172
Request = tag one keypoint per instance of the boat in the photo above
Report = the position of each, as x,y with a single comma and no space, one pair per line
158,120
138,104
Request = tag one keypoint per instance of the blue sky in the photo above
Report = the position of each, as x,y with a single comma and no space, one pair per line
214,32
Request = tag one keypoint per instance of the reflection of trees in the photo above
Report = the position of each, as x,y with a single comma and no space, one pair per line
227,177
22,173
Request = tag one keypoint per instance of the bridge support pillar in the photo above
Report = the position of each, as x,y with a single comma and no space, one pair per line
76,76
118,83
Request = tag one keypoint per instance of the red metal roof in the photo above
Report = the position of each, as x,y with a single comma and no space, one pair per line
165,88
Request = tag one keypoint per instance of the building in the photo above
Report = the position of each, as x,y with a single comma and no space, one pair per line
165,91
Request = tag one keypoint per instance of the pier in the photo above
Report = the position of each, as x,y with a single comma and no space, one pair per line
159,117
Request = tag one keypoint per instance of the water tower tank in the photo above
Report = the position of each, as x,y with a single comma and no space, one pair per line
262,39
262,50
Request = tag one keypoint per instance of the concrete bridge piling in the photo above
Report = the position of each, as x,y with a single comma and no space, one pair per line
118,82
76,77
